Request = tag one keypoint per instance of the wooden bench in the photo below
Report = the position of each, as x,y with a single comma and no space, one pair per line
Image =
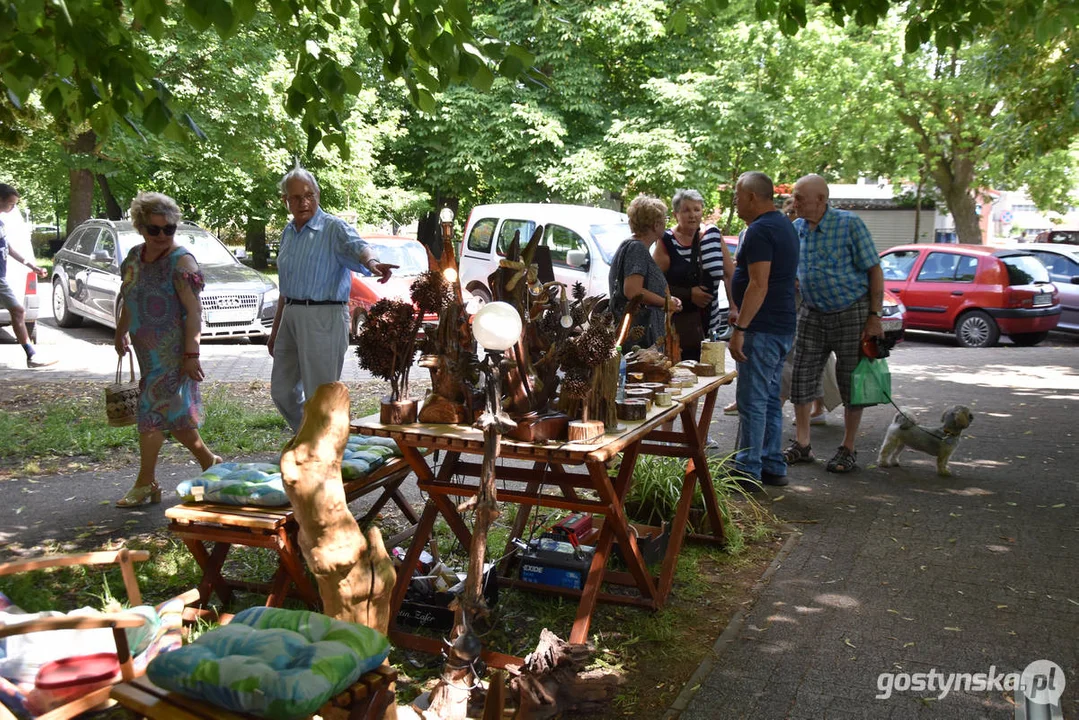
366,699
201,524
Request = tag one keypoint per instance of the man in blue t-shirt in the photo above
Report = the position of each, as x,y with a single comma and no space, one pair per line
763,290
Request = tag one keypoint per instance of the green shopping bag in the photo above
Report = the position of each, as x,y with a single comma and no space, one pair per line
871,383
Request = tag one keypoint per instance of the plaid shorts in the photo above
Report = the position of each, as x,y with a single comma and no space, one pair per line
820,334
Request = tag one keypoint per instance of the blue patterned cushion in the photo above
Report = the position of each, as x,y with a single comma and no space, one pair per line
273,663
260,483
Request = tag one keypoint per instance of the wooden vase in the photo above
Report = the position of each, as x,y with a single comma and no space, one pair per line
397,412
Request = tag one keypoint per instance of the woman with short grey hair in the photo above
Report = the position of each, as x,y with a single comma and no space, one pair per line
147,204
694,259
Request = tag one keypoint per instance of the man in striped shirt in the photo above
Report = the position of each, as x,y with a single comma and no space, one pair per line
310,330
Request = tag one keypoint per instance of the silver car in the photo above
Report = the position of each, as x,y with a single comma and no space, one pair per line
236,302
1062,262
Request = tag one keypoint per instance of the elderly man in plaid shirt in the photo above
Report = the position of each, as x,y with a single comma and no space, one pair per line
842,294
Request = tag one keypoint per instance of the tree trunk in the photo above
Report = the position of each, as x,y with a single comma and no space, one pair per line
112,207
81,182
255,243
355,576
918,208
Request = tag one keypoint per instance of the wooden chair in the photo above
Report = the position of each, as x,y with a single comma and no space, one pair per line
366,699
118,622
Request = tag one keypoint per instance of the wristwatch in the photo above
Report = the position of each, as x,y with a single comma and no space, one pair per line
875,313
738,327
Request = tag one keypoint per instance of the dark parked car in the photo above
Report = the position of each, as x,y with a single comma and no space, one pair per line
236,302
974,291
1058,237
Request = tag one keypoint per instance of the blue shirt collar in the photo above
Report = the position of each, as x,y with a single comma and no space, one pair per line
317,221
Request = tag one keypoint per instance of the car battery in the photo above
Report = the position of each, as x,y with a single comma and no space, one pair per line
576,526
554,562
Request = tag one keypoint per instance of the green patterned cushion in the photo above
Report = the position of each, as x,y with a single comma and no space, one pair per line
273,663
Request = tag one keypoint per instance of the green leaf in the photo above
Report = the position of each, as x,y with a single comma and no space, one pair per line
65,65
511,66
442,49
678,21
223,18
295,102
244,10
197,20
156,116
424,100
331,20
313,136
354,82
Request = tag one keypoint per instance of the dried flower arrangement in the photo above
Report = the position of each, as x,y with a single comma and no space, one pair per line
387,342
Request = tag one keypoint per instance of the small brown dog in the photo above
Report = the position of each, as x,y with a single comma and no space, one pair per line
939,442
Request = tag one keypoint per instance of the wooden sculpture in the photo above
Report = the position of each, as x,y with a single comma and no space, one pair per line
355,575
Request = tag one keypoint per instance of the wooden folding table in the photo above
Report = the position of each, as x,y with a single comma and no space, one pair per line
199,524
548,483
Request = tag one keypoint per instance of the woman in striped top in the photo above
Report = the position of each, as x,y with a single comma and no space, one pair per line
695,260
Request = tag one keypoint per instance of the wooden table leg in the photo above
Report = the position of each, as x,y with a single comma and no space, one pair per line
292,562
704,476
211,563
615,525
412,558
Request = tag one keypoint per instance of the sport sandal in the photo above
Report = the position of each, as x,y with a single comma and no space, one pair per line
844,461
798,454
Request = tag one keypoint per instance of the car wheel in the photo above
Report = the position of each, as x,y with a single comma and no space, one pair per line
359,317
1028,339
60,308
482,294
976,329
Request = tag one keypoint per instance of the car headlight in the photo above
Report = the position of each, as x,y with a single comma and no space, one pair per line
890,308
270,297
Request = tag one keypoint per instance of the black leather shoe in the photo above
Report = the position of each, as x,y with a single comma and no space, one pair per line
772,479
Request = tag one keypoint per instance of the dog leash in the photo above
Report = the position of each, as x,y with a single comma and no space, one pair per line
911,420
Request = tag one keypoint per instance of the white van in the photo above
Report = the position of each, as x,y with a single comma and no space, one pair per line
582,240
19,278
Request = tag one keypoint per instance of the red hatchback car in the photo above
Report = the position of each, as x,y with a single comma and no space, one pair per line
974,291
408,255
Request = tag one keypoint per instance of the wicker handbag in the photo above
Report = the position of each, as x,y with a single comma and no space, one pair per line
122,398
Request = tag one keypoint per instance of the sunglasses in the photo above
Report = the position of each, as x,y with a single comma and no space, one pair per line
155,230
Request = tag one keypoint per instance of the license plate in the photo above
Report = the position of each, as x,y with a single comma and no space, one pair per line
891,324
229,316
1043,299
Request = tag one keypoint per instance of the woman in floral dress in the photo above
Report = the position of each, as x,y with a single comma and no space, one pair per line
162,319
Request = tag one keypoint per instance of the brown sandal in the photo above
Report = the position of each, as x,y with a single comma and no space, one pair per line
844,461
798,454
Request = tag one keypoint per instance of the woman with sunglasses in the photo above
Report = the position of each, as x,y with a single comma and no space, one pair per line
161,318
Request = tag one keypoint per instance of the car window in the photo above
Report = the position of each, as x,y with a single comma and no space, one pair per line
87,241
897,265
1065,237
479,240
509,227
608,237
1025,270
561,240
409,257
938,267
73,240
966,268
206,248
1058,264
106,242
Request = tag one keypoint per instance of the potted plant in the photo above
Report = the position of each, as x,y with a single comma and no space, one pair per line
387,342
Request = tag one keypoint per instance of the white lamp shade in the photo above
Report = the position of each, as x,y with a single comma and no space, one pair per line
497,326
446,215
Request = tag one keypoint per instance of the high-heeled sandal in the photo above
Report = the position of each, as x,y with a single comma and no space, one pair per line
140,495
